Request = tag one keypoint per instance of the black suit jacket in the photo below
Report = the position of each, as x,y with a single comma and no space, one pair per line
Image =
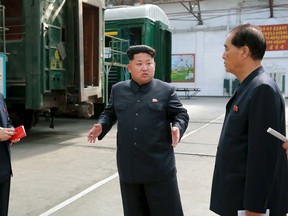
5,160
251,169
144,114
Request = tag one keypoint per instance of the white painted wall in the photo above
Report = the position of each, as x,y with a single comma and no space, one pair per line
206,41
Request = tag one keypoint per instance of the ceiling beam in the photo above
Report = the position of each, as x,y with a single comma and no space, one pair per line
194,8
170,1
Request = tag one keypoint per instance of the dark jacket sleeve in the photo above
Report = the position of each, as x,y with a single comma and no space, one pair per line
177,113
264,151
5,119
108,117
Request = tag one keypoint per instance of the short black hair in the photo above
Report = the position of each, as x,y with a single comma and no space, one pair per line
136,49
251,36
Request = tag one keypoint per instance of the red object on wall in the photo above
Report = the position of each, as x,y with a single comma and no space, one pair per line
276,37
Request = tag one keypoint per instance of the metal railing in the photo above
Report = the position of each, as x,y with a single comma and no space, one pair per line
3,30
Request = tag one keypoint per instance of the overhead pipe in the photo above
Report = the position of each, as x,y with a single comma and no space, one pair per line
271,8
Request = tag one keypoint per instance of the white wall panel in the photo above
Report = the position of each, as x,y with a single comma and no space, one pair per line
206,41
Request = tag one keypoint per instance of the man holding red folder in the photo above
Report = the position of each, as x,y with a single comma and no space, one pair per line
6,131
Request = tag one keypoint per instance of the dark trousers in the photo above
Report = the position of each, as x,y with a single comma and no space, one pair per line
4,196
151,199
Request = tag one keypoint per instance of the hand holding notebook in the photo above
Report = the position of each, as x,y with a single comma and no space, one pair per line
19,133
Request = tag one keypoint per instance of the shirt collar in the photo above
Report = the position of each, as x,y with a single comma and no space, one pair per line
144,87
250,77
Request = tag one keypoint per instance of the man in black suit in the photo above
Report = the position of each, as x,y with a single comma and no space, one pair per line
6,131
251,169
151,121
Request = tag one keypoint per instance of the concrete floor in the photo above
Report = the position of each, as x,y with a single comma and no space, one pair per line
57,172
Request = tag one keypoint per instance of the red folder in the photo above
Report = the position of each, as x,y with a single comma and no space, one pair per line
19,133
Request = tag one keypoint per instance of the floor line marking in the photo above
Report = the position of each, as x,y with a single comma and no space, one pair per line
104,181
200,128
79,195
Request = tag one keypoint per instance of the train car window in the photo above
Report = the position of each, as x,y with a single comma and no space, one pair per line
14,19
107,41
63,35
135,36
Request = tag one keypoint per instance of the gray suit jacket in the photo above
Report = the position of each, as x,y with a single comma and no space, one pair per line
145,115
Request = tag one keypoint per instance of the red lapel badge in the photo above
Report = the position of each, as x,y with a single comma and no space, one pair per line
235,108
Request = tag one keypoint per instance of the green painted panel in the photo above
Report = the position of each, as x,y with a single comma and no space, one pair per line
56,80
146,31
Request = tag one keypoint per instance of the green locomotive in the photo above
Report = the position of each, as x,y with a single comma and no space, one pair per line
59,60
142,24
54,54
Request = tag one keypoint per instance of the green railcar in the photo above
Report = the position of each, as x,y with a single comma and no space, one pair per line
55,58
143,24
55,52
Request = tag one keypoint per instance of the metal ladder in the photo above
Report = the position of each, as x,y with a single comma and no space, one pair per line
115,58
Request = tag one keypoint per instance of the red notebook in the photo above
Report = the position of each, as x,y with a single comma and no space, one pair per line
19,133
